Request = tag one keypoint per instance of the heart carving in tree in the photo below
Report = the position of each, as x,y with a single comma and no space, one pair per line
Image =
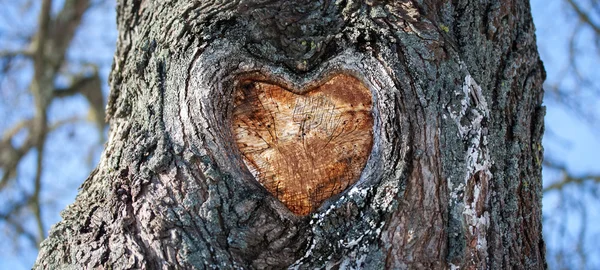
304,148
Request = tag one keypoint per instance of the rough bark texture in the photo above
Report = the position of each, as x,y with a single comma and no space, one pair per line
453,179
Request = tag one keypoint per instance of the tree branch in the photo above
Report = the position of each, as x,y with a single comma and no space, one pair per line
38,44
11,54
35,198
11,156
78,85
584,16
63,30
20,230
568,178
9,134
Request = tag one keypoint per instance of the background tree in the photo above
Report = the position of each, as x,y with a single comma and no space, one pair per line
51,98
454,178
569,40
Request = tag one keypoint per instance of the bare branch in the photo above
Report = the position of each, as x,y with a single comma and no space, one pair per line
568,178
77,87
43,24
9,134
63,30
20,230
35,198
11,54
584,16
17,225
11,156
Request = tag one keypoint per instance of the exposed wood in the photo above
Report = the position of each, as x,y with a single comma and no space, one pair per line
304,148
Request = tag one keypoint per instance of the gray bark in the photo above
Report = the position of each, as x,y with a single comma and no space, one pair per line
453,180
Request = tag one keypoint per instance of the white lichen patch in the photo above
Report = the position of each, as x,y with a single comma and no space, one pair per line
366,202
348,263
411,10
355,244
411,234
472,102
475,193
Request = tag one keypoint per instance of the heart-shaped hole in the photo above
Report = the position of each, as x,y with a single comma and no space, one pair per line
304,148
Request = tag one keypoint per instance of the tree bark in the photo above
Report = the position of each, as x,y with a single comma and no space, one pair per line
453,179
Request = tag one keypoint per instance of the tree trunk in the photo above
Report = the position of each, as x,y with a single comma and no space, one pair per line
451,176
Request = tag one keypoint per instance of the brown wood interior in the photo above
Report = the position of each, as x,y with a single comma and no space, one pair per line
304,148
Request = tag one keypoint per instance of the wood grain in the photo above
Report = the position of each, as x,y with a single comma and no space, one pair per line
304,148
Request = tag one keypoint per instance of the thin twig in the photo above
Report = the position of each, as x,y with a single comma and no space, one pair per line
584,16
10,54
568,178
